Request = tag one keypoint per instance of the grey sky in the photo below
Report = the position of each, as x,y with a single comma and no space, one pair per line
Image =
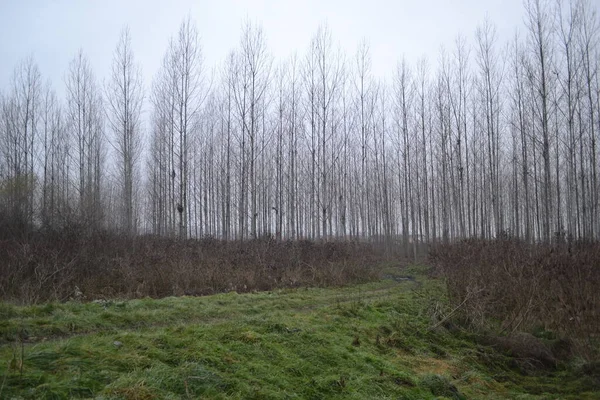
53,30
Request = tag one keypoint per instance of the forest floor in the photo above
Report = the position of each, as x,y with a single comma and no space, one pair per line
377,340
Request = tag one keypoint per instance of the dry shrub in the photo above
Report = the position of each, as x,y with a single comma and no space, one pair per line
525,287
72,264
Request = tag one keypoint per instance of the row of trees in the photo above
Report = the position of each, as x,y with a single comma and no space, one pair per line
493,138
53,159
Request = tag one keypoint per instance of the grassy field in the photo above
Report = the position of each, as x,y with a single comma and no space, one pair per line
377,340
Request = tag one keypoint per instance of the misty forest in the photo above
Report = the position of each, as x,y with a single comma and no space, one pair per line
489,139
465,188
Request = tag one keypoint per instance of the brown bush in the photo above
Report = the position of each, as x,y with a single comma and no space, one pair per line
70,264
515,286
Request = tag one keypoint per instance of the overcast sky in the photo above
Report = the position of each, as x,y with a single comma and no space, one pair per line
53,30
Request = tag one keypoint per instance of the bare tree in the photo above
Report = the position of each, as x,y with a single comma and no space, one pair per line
329,70
489,85
539,25
124,98
54,151
294,120
21,115
254,69
403,97
424,199
85,124
178,95
364,92
588,37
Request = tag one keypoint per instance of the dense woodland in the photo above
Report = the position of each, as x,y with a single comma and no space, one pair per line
492,138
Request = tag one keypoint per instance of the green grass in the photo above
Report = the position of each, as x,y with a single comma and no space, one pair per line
362,342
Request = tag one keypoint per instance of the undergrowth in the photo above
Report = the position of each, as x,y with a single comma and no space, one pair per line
72,264
523,291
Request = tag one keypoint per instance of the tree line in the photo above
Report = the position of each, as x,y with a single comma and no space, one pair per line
490,139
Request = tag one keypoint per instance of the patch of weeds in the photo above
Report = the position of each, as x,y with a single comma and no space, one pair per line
7,311
440,386
438,351
589,373
542,333
404,380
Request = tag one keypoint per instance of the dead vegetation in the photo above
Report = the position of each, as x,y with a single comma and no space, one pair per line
507,287
69,264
